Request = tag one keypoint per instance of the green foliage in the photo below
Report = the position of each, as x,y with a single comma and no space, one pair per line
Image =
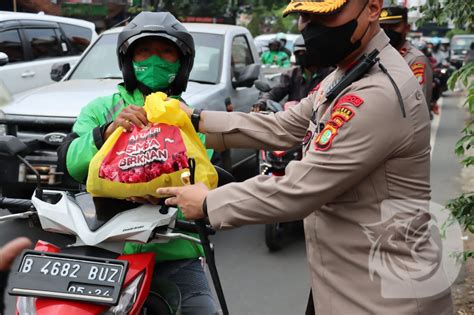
265,20
456,31
460,12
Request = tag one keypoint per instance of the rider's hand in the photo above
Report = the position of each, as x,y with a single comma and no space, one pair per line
12,249
188,198
188,110
130,116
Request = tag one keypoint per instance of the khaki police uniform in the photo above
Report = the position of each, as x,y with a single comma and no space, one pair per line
359,151
421,67
418,62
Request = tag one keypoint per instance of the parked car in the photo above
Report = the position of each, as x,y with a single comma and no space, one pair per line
31,43
226,66
460,46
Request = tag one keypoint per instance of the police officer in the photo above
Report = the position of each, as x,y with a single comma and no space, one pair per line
365,146
394,21
297,82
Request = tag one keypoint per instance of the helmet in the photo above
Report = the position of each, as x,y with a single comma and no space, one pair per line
299,44
159,24
281,36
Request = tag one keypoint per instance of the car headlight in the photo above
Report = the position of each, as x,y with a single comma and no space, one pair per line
3,128
26,305
127,298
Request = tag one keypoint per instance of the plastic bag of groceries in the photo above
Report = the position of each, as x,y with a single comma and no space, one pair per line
136,163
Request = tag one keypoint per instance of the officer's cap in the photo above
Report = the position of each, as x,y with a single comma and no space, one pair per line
322,7
393,15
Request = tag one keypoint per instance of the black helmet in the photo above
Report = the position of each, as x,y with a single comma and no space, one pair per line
160,24
299,45
275,41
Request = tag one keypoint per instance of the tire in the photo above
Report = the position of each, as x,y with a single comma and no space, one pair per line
274,236
155,304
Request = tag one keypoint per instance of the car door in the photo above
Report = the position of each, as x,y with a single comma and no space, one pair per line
11,44
46,48
241,56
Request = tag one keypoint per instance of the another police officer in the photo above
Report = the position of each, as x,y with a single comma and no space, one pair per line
367,146
394,21
297,82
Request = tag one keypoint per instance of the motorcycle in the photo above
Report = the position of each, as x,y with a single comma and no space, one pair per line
273,163
92,276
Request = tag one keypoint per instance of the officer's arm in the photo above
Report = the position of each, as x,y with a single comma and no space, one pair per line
273,131
335,163
422,70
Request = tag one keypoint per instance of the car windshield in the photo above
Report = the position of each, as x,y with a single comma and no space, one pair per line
101,60
461,42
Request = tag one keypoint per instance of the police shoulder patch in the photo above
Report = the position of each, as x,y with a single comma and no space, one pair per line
339,117
419,71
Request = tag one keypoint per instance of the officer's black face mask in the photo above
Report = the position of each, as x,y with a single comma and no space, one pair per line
328,46
396,38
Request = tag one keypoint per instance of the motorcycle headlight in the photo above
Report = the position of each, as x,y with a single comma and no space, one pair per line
127,298
26,305
3,128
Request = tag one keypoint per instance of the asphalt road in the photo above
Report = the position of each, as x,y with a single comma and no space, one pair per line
256,281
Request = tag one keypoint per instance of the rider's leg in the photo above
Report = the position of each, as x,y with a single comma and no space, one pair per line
189,276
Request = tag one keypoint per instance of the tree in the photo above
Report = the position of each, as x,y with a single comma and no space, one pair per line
461,13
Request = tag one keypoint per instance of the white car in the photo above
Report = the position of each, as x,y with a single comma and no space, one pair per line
31,43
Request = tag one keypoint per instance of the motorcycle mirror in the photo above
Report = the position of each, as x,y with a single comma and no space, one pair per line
14,147
262,86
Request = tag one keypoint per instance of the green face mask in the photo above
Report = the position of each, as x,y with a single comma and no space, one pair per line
155,72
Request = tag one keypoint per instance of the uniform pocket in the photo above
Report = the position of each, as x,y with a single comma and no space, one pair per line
347,196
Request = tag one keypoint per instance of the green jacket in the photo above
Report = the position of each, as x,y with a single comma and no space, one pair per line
278,58
95,115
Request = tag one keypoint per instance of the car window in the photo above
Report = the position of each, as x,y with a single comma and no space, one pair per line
44,42
207,62
10,44
79,37
461,42
241,54
100,61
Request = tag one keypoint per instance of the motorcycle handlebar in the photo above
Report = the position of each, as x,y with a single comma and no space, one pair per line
15,205
191,227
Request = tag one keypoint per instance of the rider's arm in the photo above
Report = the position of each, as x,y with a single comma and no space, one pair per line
84,142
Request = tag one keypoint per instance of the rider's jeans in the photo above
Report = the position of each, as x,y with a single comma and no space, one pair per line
189,276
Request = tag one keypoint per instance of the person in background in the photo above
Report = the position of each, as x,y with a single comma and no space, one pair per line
297,82
282,38
470,55
8,253
274,56
394,21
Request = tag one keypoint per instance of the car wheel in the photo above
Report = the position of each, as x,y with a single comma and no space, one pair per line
274,236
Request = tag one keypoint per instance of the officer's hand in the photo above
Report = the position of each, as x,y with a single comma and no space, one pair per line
188,110
188,198
12,249
258,107
130,116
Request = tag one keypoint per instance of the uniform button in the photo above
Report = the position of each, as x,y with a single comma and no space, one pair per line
418,95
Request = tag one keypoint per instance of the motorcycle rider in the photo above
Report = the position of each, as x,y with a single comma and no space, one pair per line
282,38
155,53
297,82
274,55
366,143
394,21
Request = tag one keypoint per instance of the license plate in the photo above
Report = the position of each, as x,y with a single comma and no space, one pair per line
71,277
